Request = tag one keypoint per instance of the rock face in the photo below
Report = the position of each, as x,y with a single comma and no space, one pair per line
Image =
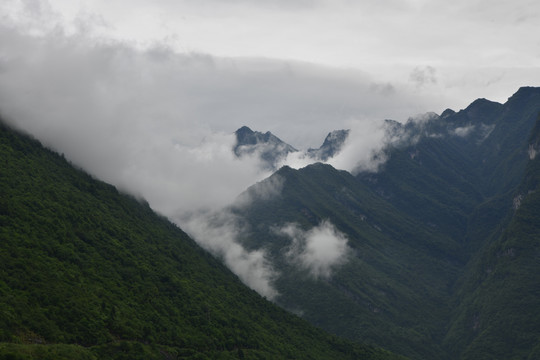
331,146
271,149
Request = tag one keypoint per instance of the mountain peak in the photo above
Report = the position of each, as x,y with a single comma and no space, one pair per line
523,94
482,102
245,135
272,149
482,110
244,130
331,146
446,113
527,90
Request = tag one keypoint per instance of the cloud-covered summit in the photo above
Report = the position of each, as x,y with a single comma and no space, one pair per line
274,153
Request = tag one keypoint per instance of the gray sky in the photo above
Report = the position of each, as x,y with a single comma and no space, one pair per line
146,94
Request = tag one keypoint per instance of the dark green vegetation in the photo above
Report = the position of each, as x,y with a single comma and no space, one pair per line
398,274
89,273
498,305
445,238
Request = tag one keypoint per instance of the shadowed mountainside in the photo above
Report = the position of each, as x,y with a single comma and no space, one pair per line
442,240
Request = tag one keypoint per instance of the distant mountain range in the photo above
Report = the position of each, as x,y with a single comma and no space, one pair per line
331,146
443,243
269,148
272,151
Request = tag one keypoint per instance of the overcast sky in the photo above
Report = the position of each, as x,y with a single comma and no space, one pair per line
449,51
146,94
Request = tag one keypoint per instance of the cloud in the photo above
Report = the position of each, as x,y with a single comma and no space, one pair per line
363,148
218,232
532,151
422,76
319,250
264,190
463,131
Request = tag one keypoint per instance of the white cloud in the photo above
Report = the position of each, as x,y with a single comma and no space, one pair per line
363,149
319,250
532,151
421,76
463,131
218,233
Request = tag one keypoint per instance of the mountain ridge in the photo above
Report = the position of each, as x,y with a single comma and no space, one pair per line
272,151
460,181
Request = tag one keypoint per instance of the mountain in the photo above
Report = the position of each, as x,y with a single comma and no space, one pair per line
270,148
440,257
446,174
331,146
395,270
87,272
496,314
464,176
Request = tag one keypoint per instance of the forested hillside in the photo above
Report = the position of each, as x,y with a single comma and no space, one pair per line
497,308
87,272
396,274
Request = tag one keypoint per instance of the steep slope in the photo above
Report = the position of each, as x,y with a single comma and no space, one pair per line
87,272
392,283
331,146
497,315
419,231
459,161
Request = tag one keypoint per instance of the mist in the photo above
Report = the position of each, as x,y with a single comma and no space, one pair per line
320,250
217,232
159,123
